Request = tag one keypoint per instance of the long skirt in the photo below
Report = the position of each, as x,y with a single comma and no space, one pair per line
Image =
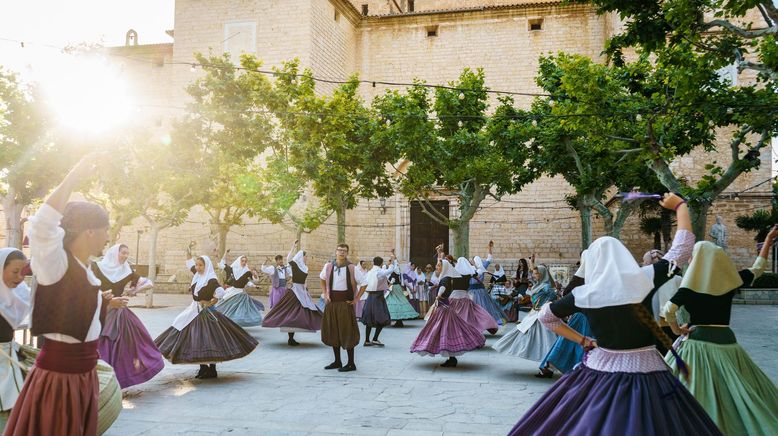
399,306
209,338
624,392
565,354
447,334
473,314
126,345
737,395
359,307
11,379
483,299
375,312
276,294
109,398
533,344
339,326
242,309
289,315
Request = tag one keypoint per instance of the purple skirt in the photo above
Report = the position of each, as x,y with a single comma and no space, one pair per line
211,337
376,313
447,334
474,314
289,313
622,400
276,294
126,345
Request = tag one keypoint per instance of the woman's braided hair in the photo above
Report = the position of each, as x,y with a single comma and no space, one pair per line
645,318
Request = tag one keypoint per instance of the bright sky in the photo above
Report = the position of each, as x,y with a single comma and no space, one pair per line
62,22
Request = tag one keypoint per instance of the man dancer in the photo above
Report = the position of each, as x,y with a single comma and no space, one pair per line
339,327
60,395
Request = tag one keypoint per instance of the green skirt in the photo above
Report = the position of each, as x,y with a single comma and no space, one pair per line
110,399
399,306
737,395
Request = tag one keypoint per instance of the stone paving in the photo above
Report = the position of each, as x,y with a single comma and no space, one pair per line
280,390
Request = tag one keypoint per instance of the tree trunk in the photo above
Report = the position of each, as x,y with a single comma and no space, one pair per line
461,232
625,210
13,217
153,235
340,214
586,226
699,216
116,228
221,246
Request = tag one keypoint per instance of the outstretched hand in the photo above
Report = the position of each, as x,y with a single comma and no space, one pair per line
671,201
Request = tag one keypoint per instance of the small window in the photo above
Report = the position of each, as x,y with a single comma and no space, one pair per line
337,15
411,5
364,9
432,31
535,24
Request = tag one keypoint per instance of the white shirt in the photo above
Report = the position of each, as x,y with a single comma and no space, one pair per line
50,262
339,282
269,269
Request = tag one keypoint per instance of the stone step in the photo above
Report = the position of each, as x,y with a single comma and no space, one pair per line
756,296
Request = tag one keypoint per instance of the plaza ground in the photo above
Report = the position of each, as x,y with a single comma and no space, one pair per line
281,390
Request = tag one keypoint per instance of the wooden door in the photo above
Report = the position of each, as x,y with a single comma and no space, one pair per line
427,233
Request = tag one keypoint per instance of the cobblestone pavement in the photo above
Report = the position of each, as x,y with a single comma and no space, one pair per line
283,390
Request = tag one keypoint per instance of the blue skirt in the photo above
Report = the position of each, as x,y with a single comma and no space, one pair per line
566,354
482,298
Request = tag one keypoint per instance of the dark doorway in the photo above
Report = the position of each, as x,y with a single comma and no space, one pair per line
426,233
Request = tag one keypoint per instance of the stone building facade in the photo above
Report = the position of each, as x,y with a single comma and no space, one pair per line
399,41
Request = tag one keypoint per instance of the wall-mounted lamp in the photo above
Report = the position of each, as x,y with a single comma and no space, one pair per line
382,202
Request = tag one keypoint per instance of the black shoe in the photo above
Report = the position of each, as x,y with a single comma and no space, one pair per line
368,344
210,372
202,371
377,343
347,368
334,365
398,323
545,373
292,342
450,363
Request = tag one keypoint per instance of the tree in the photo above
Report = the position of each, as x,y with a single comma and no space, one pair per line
327,141
31,162
683,101
453,148
147,179
761,220
221,138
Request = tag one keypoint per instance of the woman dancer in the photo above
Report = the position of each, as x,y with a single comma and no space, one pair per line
201,334
529,340
14,314
737,395
460,301
446,333
399,306
125,344
236,304
296,311
623,385
478,292
279,275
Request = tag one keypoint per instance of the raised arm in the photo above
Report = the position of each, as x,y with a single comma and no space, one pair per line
761,261
681,250
293,250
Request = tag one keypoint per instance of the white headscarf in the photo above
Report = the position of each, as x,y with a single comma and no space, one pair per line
14,303
299,259
499,272
545,279
237,270
111,268
200,280
711,271
613,278
448,270
464,268
479,265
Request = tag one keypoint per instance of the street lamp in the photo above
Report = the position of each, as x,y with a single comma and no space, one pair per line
382,202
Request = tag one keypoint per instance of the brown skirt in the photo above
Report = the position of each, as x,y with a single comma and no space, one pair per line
56,403
339,326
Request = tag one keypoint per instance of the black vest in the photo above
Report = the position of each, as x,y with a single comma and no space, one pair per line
298,276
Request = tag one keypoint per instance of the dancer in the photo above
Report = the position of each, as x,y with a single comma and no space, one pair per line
200,334
445,332
421,291
409,286
14,314
623,386
339,326
296,311
278,277
737,395
125,344
465,307
236,304
376,313
477,291
361,272
60,394
529,340
399,306
663,294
